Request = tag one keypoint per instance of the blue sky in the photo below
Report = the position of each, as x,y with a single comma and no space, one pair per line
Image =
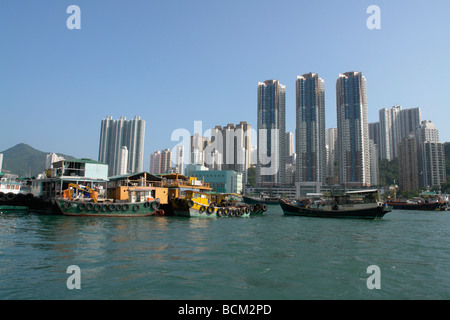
174,62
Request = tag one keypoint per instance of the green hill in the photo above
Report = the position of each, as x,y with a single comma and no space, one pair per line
23,159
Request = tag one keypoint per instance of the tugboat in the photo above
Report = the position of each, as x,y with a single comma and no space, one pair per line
129,195
199,204
190,197
234,199
353,204
76,208
88,205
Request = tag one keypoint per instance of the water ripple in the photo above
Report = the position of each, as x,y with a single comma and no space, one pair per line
266,257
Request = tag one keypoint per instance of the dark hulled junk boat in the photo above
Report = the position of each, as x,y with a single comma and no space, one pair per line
418,204
262,199
361,204
428,201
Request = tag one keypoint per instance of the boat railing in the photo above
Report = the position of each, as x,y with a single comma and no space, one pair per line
184,184
136,183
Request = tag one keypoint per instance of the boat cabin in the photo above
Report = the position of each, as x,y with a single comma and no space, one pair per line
219,198
82,172
8,184
178,184
363,196
200,198
137,187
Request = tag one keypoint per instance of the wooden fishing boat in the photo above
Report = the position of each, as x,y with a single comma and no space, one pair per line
418,205
427,201
364,206
263,199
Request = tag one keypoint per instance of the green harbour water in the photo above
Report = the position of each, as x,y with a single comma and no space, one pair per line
268,257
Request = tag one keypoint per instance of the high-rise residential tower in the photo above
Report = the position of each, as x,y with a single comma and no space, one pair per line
50,158
353,130
310,129
198,145
166,161
395,124
179,160
114,135
155,162
230,148
390,132
331,140
271,157
431,155
408,164
290,147
123,163
410,120
161,162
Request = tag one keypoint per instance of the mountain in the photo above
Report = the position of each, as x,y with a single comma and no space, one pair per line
23,159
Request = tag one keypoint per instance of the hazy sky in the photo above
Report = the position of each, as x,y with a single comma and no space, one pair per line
174,62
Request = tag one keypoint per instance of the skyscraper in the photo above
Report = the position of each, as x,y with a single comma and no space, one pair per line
408,164
427,132
410,120
198,145
390,132
123,164
395,124
179,161
353,130
50,158
331,140
155,162
231,146
374,169
310,129
166,161
291,159
290,147
433,161
271,157
430,155
161,162
114,135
